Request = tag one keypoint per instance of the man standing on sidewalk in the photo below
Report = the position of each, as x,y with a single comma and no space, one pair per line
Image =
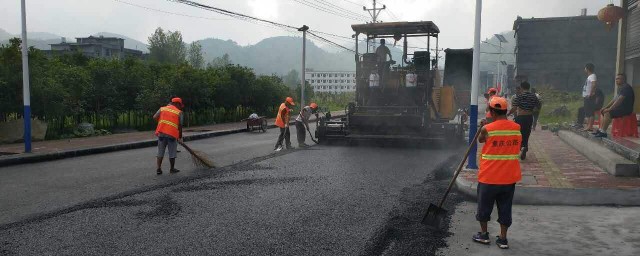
169,130
499,171
302,123
523,106
588,94
282,121
620,106
492,92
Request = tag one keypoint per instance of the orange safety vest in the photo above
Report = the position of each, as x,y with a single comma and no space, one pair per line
280,120
499,162
169,121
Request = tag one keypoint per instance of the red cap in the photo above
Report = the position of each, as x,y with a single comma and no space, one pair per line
313,105
176,100
492,90
290,101
498,103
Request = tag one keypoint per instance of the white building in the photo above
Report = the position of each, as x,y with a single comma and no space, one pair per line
331,81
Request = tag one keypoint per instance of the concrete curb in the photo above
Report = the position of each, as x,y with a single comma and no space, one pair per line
607,159
562,196
42,157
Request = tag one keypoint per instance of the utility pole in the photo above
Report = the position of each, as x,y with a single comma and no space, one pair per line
26,95
374,12
304,29
475,82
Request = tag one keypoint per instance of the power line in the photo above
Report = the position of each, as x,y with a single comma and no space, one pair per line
252,19
331,5
166,12
324,9
353,3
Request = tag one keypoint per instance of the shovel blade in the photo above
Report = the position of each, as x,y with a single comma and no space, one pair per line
435,216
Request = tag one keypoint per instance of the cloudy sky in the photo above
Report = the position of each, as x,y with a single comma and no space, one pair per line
139,18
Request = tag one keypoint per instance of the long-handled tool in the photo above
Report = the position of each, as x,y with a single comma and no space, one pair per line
436,214
199,159
307,126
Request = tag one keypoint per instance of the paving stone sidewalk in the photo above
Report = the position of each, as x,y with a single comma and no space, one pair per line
554,173
551,163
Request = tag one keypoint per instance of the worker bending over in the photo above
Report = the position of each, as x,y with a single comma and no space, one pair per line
282,121
302,123
169,130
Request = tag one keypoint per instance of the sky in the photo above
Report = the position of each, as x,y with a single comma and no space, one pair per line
139,18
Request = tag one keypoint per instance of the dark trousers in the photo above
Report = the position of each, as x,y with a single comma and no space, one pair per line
502,195
525,122
301,132
284,135
580,119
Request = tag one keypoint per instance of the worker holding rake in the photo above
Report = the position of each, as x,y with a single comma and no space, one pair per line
169,132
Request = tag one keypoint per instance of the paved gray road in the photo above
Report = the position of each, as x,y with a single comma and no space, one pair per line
329,200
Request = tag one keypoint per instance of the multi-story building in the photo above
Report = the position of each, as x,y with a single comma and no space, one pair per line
553,51
96,47
331,81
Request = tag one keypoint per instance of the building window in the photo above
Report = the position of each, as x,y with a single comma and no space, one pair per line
324,87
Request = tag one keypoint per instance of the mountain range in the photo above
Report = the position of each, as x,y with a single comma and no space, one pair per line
277,55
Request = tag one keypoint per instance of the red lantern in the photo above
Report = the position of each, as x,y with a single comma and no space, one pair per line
610,14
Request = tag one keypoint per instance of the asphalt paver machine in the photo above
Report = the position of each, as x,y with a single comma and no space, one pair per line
397,101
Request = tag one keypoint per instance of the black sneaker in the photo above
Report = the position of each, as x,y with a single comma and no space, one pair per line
523,153
502,243
159,171
600,134
595,132
174,170
482,238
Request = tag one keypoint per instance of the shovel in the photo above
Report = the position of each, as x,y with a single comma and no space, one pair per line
312,139
435,213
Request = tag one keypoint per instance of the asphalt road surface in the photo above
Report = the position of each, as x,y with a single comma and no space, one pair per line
326,200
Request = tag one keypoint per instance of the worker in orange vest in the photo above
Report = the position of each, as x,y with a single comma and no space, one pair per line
282,121
302,123
492,92
169,131
499,170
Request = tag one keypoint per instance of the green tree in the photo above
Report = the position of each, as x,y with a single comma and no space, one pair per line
292,79
195,55
220,61
167,47
308,92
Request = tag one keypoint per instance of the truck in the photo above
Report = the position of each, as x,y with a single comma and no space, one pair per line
402,101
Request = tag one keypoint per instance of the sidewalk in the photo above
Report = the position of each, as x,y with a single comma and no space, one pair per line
12,154
554,173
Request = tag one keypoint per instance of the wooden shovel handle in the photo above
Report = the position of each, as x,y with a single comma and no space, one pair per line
455,175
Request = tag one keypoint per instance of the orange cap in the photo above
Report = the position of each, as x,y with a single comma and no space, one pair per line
313,105
492,90
498,103
290,101
176,100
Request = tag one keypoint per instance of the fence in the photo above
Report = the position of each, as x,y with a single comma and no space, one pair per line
64,127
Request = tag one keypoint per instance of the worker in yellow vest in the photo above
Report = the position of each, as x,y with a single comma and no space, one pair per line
169,131
499,170
282,121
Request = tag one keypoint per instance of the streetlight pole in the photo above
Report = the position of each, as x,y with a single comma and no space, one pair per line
304,29
26,95
475,82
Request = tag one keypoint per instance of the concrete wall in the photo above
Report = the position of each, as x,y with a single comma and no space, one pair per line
553,51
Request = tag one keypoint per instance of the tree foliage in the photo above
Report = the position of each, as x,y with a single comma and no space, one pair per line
196,58
167,47
78,87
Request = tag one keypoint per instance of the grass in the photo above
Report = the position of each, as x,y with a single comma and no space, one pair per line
553,99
